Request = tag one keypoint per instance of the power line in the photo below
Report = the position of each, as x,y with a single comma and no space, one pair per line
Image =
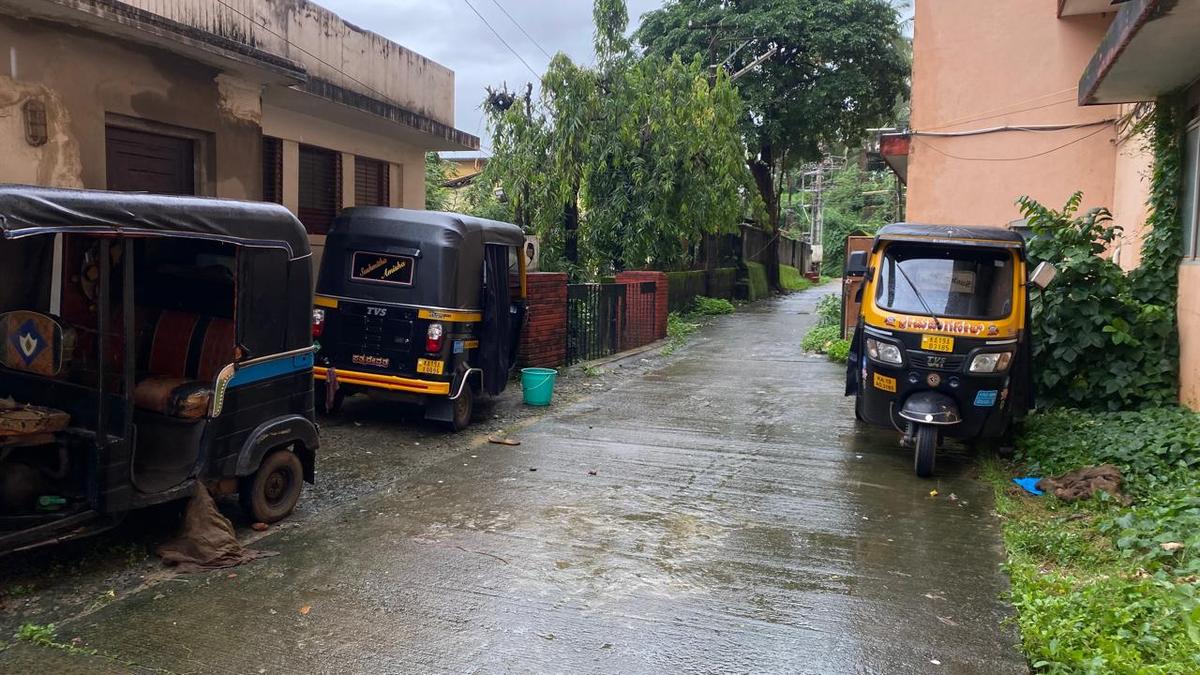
1009,159
503,41
522,29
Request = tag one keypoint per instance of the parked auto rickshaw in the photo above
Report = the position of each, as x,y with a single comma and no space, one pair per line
418,306
942,347
148,343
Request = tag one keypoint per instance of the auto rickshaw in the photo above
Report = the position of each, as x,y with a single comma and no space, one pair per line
420,307
942,346
148,344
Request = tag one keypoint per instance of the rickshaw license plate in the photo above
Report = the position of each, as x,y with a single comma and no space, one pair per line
429,366
937,343
885,383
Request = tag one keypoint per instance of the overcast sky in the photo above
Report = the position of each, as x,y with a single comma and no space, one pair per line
448,32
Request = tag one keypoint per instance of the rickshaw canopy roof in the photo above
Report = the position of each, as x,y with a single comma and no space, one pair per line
431,228
999,237
27,210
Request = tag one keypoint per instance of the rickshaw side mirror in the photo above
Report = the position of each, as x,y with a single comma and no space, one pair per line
1043,275
856,265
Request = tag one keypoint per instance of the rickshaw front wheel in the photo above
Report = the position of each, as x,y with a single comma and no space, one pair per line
270,494
925,450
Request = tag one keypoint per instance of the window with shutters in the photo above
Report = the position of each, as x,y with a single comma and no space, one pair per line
371,182
320,188
272,167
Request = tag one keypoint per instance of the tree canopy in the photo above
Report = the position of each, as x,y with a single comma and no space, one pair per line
833,69
619,165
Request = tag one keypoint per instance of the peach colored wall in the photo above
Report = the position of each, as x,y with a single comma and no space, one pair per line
1131,189
1189,334
982,63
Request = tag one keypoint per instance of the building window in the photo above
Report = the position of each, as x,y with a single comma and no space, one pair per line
1188,200
320,188
272,169
371,182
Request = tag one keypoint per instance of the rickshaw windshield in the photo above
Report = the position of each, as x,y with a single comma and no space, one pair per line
959,283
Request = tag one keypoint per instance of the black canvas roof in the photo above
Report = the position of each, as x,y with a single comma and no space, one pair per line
26,210
917,230
431,227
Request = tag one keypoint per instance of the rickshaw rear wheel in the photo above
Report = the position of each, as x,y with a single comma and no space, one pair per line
270,494
464,407
925,450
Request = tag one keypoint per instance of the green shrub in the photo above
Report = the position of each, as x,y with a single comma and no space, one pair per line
759,288
838,350
1096,344
791,279
679,329
712,306
829,310
818,338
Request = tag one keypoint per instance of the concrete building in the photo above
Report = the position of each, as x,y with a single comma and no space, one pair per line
276,100
1038,98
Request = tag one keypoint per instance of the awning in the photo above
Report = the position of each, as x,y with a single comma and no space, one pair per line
894,150
1149,50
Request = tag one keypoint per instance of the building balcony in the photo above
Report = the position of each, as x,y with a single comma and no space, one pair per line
1149,51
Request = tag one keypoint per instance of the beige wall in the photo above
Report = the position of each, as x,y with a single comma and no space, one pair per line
84,78
1189,334
330,48
1131,189
981,63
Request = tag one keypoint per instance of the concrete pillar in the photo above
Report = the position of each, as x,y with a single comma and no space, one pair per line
291,175
396,185
347,180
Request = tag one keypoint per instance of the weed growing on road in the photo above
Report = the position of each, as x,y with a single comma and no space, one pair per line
791,279
711,306
826,337
679,330
1100,586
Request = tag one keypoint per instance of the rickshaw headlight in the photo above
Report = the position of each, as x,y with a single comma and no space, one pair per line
884,352
994,362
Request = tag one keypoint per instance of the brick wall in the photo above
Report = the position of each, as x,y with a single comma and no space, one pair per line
659,326
544,339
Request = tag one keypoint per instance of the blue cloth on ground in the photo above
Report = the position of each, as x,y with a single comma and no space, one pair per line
1029,485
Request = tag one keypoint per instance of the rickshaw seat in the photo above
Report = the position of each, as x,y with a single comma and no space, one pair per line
187,351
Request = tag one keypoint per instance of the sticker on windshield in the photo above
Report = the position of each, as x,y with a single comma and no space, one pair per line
382,268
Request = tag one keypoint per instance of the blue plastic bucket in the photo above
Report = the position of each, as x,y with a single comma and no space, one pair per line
538,385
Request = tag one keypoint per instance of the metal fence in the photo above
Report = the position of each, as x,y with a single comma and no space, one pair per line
604,319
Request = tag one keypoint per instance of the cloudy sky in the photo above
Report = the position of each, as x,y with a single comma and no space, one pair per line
448,32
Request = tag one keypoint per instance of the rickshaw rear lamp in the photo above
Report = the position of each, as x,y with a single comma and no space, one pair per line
433,338
994,362
884,352
318,321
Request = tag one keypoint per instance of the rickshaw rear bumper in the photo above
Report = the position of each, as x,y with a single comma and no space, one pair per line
385,382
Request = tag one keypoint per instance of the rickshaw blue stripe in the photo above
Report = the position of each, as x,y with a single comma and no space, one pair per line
273,368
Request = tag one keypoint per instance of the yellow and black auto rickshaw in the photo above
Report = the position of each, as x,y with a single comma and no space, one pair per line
425,307
942,347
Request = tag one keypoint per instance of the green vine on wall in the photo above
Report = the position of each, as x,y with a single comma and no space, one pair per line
1157,277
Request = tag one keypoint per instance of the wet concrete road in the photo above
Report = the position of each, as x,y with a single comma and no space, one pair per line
736,521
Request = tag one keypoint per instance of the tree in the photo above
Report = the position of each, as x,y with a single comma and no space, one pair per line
620,165
835,68
437,170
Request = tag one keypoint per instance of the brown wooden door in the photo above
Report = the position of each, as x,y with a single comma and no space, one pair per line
139,161
851,285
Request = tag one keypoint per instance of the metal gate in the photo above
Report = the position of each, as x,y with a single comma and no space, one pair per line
603,319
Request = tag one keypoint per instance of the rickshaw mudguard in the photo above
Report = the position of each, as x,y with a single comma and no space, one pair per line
295,430
931,407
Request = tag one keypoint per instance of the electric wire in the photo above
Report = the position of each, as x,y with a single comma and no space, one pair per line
1008,159
522,29
1036,128
503,41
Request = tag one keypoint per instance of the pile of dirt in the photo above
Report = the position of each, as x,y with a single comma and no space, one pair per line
1084,483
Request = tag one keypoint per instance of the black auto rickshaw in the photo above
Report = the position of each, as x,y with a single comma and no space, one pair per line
423,307
149,344
942,347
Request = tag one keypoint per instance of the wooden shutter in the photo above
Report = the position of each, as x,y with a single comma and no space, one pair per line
320,189
139,161
272,167
371,182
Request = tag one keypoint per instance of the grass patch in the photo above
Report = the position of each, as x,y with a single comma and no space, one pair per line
826,337
791,280
1101,587
681,326
703,306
